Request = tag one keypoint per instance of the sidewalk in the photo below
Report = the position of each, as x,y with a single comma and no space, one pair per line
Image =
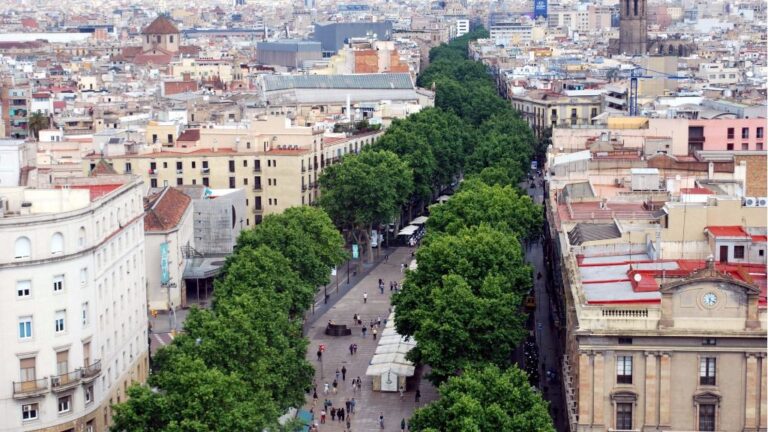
341,308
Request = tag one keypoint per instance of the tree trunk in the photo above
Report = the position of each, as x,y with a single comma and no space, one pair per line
368,247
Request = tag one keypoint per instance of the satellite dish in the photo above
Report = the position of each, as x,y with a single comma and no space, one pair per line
637,277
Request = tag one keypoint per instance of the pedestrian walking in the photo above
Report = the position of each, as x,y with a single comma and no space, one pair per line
359,383
343,373
348,404
381,288
418,395
314,396
351,349
322,417
381,420
338,374
386,257
319,355
326,388
402,268
354,348
365,329
340,413
335,386
374,334
333,414
402,390
378,321
354,386
402,425
349,425
352,404
391,285
365,297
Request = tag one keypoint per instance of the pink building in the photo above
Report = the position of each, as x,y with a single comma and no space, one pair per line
726,134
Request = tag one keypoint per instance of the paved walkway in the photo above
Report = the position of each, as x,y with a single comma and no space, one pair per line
369,404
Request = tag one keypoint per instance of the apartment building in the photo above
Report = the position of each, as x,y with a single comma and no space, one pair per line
546,109
660,289
511,33
275,163
74,314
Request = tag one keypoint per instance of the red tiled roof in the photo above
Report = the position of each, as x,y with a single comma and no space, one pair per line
161,25
165,209
696,191
96,191
156,59
189,135
102,168
759,239
727,231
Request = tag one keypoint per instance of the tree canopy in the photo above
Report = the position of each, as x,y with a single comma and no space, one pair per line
485,399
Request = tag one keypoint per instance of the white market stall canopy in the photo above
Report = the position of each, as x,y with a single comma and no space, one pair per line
408,231
390,353
421,220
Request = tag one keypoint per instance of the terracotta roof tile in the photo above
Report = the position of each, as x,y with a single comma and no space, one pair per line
102,168
165,209
161,25
189,135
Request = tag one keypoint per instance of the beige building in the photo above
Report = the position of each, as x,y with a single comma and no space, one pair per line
275,163
545,109
200,69
661,296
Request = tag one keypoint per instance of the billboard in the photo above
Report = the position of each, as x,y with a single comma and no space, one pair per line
539,8
165,275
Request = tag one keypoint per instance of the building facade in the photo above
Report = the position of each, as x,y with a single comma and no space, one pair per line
633,28
74,315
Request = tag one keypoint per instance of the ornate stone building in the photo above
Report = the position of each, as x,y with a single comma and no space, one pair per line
633,27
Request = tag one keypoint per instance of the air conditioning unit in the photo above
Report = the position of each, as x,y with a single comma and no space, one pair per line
750,202
762,201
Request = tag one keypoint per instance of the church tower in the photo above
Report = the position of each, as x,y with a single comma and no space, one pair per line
633,27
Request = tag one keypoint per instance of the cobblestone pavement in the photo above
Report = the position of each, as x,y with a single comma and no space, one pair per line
369,404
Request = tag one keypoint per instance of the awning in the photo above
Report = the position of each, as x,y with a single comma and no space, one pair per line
421,220
203,268
408,231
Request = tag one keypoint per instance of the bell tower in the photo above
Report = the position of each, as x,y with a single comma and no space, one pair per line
633,27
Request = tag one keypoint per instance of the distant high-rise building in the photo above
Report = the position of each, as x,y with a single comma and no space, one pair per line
633,27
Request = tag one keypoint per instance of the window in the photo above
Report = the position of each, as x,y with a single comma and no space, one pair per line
170,38
194,164
23,288
274,163
65,404
165,164
179,166
730,146
59,321
245,163
29,412
179,181
27,369
84,314
709,341
84,276
231,166
153,183
731,133
745,132
758,146
128,168
745,146
625,341
245,181
624,416
58,283
62,362
738,252
232,183
25,327
81,237
205,181
88,393
23,248
707,371
759,132
624,370
57,243
707,417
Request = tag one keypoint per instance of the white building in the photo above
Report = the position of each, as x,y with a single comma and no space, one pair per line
511,33
12,158
73,326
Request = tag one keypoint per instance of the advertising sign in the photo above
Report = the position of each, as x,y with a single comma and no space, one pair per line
355,252
539,8
165,274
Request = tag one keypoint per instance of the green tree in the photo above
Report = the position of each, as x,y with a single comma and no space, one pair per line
193,397
461,327
501,207
305,236
473,253
364,190
486,399
38,122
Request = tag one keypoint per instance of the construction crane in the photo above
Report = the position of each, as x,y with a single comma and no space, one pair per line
640,72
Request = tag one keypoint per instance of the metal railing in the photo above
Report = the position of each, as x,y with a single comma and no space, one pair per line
31,387
65,381
91,370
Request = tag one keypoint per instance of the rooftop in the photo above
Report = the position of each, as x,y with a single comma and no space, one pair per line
165,209
357,81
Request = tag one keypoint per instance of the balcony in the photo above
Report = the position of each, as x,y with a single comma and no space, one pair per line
205,170
258,210
303,188
257,187
153,171
29,389
303,169
63,382
179,171
91,372
257,169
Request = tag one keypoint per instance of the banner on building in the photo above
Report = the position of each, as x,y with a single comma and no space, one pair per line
539,8
165,274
